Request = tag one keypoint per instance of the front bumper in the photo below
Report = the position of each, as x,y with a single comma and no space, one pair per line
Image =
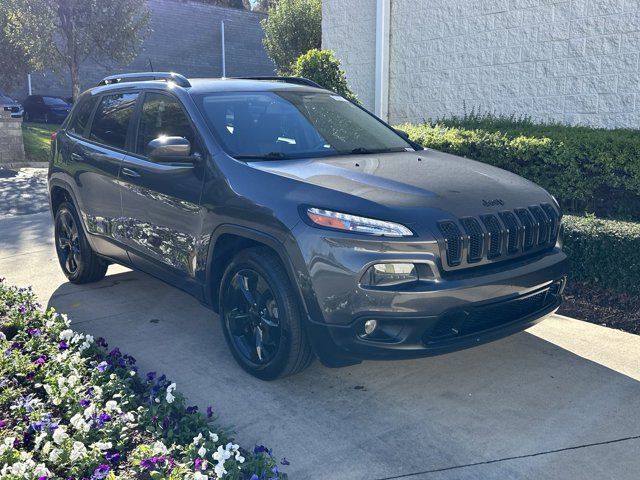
455,311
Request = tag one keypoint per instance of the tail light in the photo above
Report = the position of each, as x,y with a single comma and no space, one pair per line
53,136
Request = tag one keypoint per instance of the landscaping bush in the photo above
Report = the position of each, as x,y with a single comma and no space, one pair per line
71,408
292,28
323,67
587,169
604,252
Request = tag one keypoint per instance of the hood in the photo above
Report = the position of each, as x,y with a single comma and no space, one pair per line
423,179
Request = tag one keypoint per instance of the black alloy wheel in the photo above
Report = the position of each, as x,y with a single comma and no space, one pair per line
78,261
261,316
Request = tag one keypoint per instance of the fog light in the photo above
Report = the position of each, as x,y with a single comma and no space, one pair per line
370,326
390,274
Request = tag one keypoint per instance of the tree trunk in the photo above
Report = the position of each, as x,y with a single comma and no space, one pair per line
75,80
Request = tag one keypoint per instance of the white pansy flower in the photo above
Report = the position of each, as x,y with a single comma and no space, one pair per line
111,406
199,476
221,454
170,389
2,336
220,470
41,471
202,451
60,435
78,451
89,411
197,439
39,439
160,448
102,446
54,456
213,437
66,335
239,457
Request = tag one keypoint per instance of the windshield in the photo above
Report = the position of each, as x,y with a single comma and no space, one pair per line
281,125
6,100
54,101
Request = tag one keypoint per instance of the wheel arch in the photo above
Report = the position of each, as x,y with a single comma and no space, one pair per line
227,241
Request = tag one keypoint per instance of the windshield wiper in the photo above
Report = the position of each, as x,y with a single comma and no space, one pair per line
267,156
363,150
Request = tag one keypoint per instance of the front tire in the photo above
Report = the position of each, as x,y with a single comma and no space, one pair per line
78,261
261,318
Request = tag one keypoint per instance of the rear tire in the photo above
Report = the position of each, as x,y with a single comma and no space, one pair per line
261,317
78,261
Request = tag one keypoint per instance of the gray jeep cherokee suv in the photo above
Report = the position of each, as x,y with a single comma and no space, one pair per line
312,227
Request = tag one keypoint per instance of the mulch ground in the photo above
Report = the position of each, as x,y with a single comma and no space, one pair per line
601,306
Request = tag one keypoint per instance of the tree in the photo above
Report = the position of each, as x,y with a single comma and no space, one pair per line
15,63
323,67
65,33
292,28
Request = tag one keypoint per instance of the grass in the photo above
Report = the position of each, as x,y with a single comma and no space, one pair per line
37,140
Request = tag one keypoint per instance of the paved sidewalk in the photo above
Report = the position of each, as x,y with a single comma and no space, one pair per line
559,401
22,191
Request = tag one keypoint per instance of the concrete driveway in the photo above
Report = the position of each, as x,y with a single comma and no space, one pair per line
560,401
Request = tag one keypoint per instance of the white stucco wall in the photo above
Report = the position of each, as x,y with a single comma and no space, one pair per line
573,61
349,28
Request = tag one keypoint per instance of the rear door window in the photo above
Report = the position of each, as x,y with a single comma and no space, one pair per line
112,118
81,116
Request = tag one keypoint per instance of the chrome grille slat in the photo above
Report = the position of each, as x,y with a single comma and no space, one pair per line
471,241
514,232
476,239
495,230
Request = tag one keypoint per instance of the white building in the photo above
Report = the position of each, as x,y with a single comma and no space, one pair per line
572,61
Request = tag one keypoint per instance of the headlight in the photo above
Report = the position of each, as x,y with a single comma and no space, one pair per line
354,223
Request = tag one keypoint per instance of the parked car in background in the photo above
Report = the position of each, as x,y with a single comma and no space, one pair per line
8,104
45,108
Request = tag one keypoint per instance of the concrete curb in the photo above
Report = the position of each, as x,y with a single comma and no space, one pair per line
15,165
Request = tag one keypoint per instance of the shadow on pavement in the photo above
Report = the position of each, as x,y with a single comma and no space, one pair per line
518,396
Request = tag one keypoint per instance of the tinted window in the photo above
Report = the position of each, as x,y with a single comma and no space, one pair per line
111,120
81,116
162,116
291,124
55,101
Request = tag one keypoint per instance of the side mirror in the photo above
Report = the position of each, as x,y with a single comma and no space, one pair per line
169,149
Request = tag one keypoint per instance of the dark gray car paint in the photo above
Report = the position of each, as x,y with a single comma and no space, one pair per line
185,211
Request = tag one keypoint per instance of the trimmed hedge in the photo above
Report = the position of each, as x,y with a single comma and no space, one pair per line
603,252
587,169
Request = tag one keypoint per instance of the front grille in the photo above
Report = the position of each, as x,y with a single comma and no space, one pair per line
492,237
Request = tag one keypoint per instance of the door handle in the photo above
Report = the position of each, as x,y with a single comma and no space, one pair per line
76,157
130,173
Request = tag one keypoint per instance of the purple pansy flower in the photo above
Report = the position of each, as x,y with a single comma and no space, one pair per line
101,472
34,332
209,411
84,403
102,366
113,457
62,346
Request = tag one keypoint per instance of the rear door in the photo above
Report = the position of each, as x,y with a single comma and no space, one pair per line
161,201
96,157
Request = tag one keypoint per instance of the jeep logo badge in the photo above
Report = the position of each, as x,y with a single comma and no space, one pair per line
493,203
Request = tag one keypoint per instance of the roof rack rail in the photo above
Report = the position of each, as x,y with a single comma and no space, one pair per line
296,80
143,76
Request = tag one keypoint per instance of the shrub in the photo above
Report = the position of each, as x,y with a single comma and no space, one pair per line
587,169
71,408
604,252
323,67
292,28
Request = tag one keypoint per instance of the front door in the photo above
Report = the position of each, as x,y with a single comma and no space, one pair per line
161,201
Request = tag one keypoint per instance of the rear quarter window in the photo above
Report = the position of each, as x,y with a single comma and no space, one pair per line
81,116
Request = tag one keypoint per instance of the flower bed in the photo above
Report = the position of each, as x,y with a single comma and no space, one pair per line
72,408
